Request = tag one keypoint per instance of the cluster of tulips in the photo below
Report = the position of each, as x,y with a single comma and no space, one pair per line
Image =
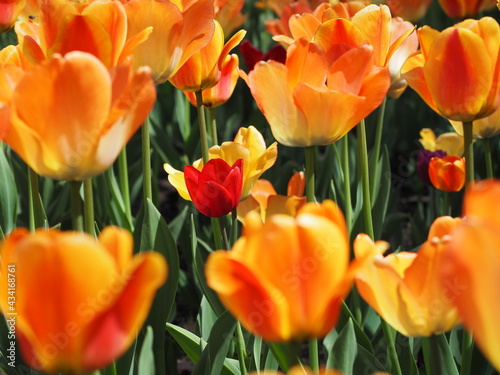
91,295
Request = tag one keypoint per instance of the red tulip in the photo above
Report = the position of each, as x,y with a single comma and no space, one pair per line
216,190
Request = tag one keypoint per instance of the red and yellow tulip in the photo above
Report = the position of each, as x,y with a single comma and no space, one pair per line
447,173
79,302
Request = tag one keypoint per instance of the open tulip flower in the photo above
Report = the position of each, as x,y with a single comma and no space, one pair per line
316,97
285,279
447,173
248,145
405,288
228,14
468,50
79,302
179,30
472,266
451,143
97,27
216,189
70,117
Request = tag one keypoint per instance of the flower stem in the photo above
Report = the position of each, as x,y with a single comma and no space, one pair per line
310,155
313,355
88,206
467,347
468,152
146,161
213,125
240,346
365,179
203,126
487,156
124,184
76,205
378,141
35,209
391,348
347,182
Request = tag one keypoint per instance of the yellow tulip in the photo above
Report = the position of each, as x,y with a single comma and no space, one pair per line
468,50
472,266
70,117
248,145
405,288
285,279
451,143
79,303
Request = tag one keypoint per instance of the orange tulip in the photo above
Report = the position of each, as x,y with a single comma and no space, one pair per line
468,50
79,303
295,291
178,32
409,10
316,97
228,14
203,69
97,27
9,11
9,77
70,117
447,173
472,266
465,8
404,288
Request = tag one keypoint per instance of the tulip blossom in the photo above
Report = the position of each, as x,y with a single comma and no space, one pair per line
252,55
178,32
468,50
70,117
319,94
228,14
285,279
472,266
9,11
248,145
266,201
9,77
409,10
405,288
423,160
465,8
97,27
203,69
447,173
79,302
216,189
451,143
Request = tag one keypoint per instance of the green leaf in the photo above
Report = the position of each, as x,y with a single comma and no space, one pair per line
212,358
257,350
344,350
146,358
366,362
437,355
8,196
379,209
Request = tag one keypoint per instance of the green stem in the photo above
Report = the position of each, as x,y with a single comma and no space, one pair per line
313,356
467,348
225,240
468,152
365,179
240,345
213,126
487,156
124,184
35,209
391,348
76,205
445,203
146,161
378,142
88,206
234,226
347,182
217,230
203,127
310,154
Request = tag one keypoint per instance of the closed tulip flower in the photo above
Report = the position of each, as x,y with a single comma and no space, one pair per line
96,27
405,288
248,145
70,117
285,279
216,189
179,31
79,302
472,266
468,50
447,173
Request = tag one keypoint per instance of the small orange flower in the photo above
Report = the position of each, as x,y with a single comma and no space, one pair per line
79,302
447,173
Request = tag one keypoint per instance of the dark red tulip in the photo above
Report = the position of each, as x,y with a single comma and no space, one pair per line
216,190
252,55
